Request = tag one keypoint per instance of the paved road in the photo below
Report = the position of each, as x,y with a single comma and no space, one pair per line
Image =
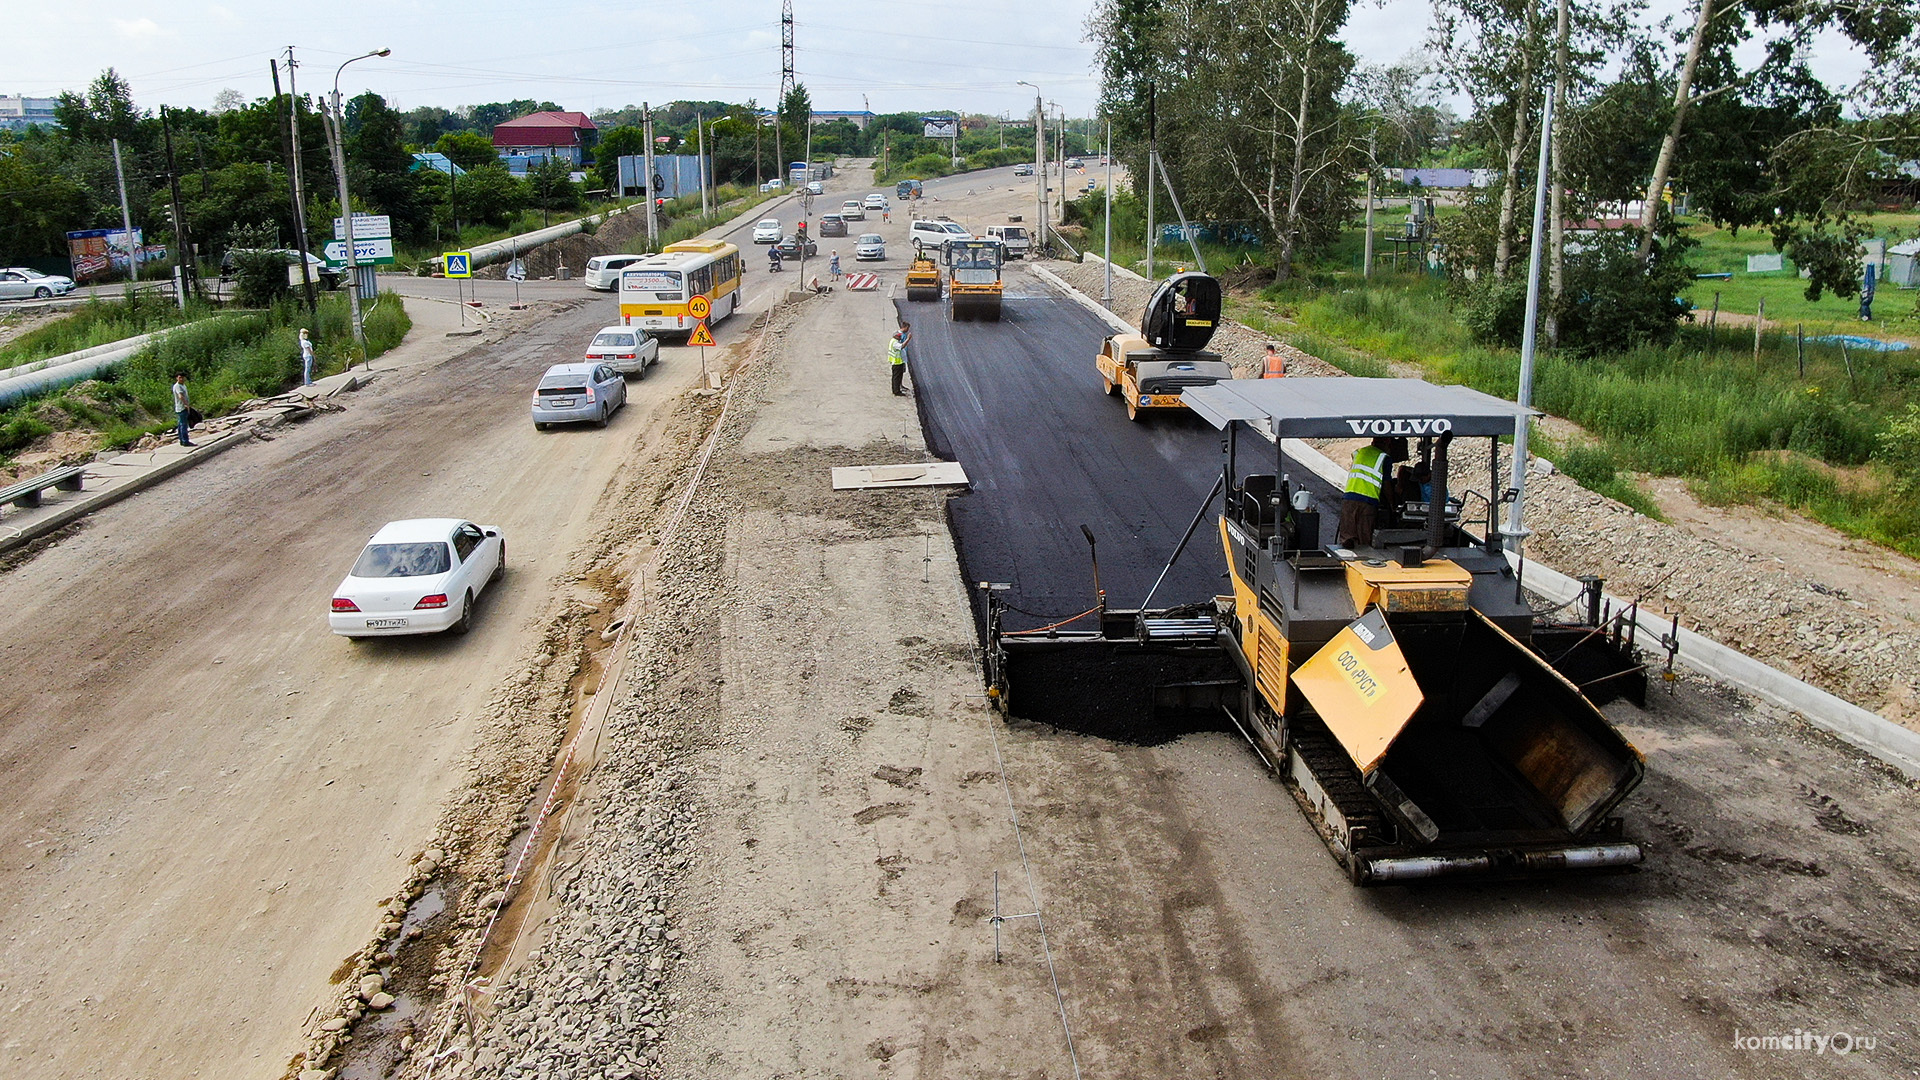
1018,403
204,792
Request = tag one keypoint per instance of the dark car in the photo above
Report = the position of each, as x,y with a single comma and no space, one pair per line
833,225
789,247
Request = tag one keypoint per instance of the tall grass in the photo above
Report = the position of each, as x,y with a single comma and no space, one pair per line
228,359
99,322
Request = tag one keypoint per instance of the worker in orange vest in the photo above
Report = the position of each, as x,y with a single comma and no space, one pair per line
1276,364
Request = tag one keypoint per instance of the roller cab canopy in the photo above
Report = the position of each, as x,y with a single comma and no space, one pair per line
1341,408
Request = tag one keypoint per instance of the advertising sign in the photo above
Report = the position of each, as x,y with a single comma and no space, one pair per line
365,252
651,281
940,127
100,253
365,227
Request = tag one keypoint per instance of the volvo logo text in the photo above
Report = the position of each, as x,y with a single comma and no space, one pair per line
1437,426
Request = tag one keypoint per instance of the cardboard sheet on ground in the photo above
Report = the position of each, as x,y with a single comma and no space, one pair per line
924,474
1360,686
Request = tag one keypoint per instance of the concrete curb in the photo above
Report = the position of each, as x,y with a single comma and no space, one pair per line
1889,742
81,508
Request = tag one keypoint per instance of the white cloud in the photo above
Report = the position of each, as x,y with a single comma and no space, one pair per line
137,29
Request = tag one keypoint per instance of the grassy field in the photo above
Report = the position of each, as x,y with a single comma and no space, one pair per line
99,322
1721,251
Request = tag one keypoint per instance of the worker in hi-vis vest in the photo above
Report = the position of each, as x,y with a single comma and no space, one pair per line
1362,502
897,355
1276,364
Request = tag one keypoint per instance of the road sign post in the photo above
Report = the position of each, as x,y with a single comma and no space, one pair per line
458,265
700,307
517,273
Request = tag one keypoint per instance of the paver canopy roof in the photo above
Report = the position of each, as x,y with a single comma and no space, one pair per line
1340,408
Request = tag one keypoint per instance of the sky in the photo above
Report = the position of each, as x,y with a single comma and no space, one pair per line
904,55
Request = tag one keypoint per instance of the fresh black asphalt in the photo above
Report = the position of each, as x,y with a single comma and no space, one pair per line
1018,404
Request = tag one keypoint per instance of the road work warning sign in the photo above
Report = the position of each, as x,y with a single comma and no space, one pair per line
701,335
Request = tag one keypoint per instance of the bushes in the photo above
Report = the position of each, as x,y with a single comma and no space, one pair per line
98,322
1611,303
260,278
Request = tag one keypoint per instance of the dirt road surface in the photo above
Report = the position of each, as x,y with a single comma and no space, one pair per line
206,794
791,859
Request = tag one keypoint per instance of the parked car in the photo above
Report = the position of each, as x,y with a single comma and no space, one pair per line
20,283
833,225
628,350
814,187
936,233
321,272
773,185
869,246
603,271
418,577
1074,163
853,211
1023,169
578,393
767,231
876,201
790,247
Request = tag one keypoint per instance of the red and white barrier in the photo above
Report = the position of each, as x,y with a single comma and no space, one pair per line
862,282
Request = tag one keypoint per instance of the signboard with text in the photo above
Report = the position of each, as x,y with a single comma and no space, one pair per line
365,227
940,127
375,252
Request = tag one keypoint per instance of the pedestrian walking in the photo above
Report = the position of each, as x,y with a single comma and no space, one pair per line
306,358
886,214
182,405
1276,364
897,355
833,266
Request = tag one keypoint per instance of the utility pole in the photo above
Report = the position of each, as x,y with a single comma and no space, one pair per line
338,128
1060,153
1366,261
293,195
182,237
653,205
1557,234
1516,530
299,188
1039,168
700,160
126,217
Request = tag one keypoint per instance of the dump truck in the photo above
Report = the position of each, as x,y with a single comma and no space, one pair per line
973,278
1426,720
1168,355
923,277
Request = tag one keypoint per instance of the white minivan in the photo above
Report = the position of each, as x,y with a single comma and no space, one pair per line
603,271
936,233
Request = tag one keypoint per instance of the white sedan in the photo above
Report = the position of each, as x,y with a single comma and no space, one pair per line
418,577
767,232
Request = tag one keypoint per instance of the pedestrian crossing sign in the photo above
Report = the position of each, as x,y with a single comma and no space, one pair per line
458,263
701,335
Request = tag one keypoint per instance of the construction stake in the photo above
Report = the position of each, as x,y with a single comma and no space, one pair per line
1759,324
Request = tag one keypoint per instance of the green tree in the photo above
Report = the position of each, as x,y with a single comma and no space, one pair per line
490,194
41,204
105,111
467,149
615,143
383,168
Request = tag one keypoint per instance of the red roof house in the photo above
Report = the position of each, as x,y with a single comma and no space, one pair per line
565,135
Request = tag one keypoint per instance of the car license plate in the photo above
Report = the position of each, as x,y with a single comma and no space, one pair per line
385,624
560,403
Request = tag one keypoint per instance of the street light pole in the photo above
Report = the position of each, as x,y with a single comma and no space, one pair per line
1039,167
339,133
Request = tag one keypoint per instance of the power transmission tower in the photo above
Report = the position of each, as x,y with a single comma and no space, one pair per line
786,86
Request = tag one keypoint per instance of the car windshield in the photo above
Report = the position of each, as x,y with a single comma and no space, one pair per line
870,238
1012,233
614,341
403,560
955,228
770,223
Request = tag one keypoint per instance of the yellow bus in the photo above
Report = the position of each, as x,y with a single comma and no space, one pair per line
654,292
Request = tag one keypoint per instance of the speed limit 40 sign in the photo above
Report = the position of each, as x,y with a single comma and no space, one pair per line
698,307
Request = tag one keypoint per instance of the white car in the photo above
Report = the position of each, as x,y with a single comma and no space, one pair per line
603,271
767,231
21,283
815,187
628,350
936,233
853,211
876,201
418,577
773,185
869,246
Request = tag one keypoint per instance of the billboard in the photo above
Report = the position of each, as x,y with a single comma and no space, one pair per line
101,253
940,127
674,175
